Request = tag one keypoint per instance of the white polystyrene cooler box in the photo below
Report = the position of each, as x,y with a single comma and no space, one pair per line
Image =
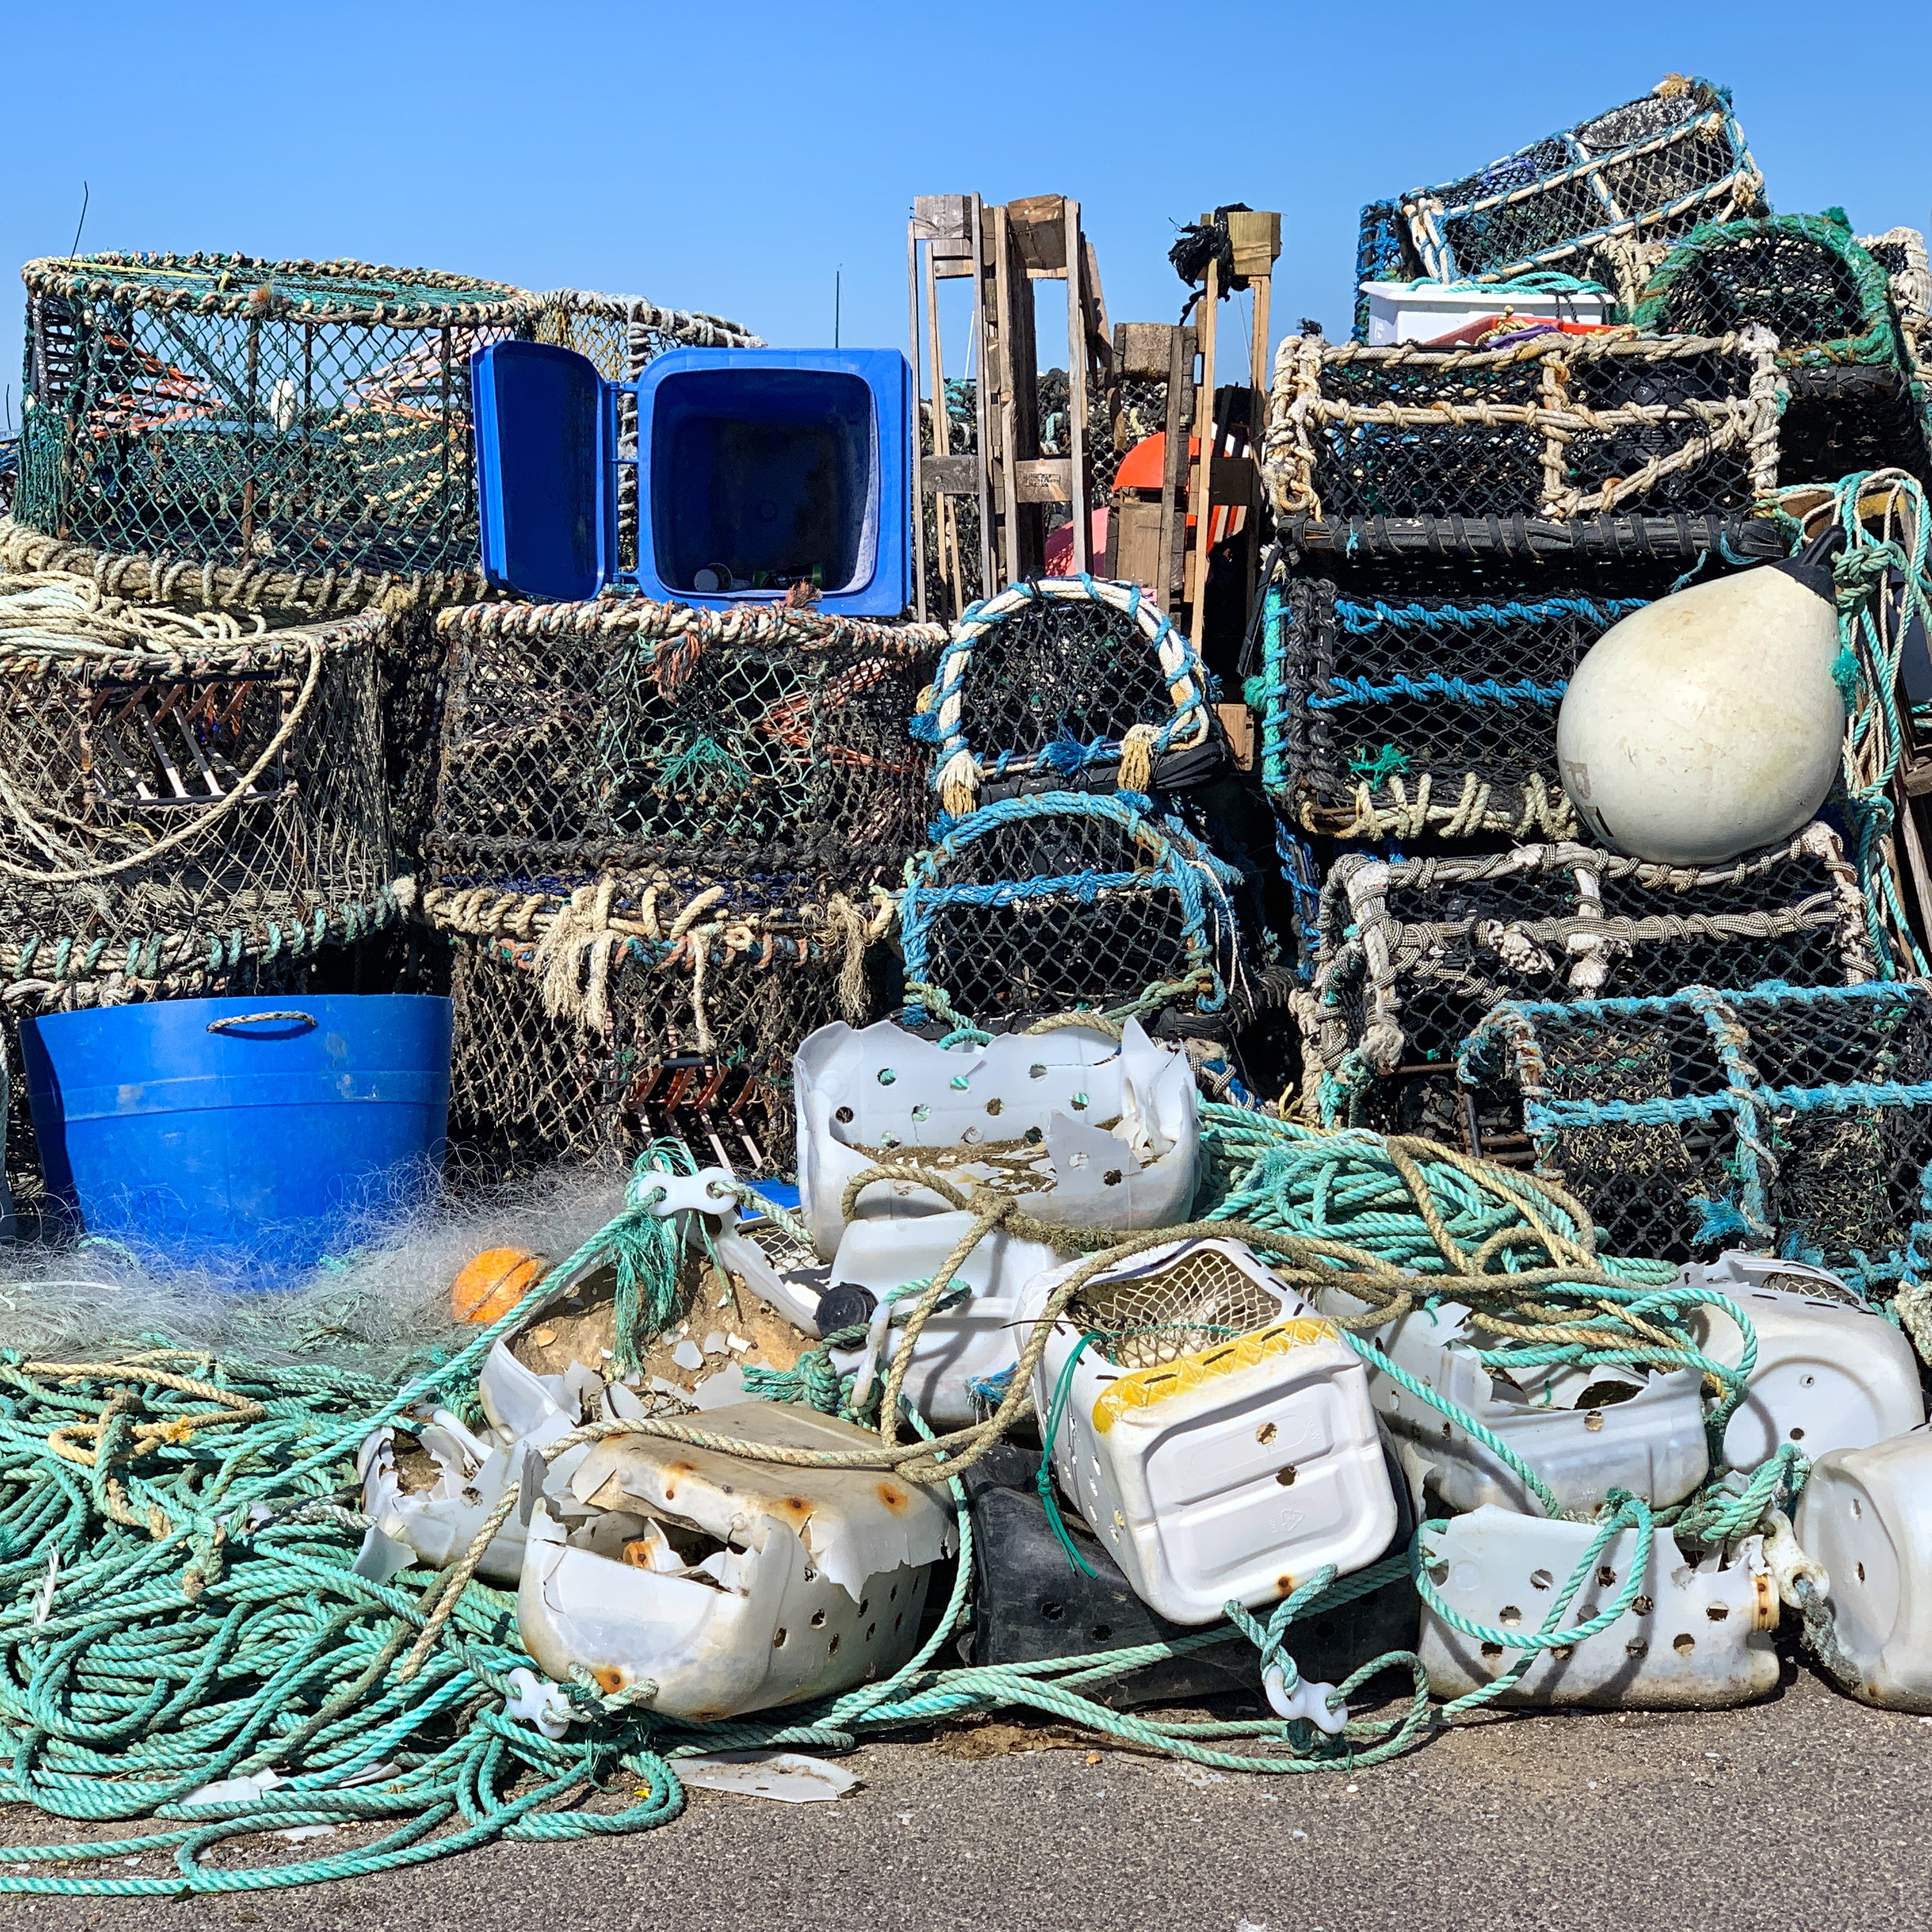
1115,1123
1222,1445
1421,311
1866,1515
1584,1431
1829,1374
1694,1635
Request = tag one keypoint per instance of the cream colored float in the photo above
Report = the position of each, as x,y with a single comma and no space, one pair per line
1707,724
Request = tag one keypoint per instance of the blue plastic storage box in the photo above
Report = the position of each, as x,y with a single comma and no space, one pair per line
242,1135
757,469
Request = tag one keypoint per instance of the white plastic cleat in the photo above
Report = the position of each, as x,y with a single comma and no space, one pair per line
1308,1700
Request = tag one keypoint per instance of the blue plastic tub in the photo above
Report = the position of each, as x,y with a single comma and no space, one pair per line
242,1135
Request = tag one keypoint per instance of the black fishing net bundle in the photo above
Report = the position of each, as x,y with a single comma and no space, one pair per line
1414,953
1796,1119
1553,426
300,416
577,738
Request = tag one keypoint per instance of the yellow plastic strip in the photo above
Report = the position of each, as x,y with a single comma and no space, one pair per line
1141,1388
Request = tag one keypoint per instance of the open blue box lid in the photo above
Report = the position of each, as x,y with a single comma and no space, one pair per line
756,469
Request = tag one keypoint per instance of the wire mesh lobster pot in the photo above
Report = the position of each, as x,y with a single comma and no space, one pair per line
1587,199
1556,426
302,416
1829,303
1058,900
1418,699
646,1007
1415,953
1067,684
1800,1120
584,737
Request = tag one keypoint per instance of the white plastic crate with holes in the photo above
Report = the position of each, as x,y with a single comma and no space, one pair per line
1694,1635
1215,1433
1584,1431
1087,1131
1866,1515
1830,1374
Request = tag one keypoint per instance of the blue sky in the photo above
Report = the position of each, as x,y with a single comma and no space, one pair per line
731,157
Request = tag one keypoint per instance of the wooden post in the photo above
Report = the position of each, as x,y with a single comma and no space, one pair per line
938,417
1173,470
1080,479
1209,438
1255,235
983,405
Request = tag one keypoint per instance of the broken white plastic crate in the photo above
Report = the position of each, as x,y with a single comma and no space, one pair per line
525,1411
1694,1636
1866,1515
1578,1429
1226,1450
1829,1374
702,1585
1116,1121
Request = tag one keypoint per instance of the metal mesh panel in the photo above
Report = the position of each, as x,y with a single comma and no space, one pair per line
185,792
1187,1304
1555,426
1415,953
1649,171
1039,904
1778,1117
291,415
577,737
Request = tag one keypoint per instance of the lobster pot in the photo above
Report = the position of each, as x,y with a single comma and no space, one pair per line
310,417
194,802
1414,953
1800,1120
1067,683
580,737
1414,701
1550,426
647,1007
1060,900
1829,303
1592,200
1900,253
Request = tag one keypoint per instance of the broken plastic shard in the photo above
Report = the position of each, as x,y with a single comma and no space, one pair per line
757,1583
234,1790
1307,1700
382,1556
537,1701
1640,1430
1695,1636
714,1342
788,1776
721,1390
526,1412
1829,1375
1023,1090
1216,1432
687,1354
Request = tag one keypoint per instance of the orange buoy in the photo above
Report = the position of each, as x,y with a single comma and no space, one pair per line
492,1284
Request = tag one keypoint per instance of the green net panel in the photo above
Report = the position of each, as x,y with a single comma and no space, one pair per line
1781,1118
1592,200
184,794
1414,953
301,415
582,737
1556,426
649,1005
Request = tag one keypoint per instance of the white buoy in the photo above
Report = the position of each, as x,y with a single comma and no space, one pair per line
1707,724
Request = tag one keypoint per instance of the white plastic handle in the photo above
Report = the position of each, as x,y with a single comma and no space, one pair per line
1306,1700
708,1192
538,1701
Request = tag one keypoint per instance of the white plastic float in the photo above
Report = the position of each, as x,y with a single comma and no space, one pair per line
703,1584
1226,1450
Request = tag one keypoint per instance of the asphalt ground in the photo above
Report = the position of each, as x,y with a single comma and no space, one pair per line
1806,1813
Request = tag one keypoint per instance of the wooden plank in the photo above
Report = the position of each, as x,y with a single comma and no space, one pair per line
1209,432
983,403
942,217
1037,223
1238,723
1044,479
1134,544
1080,477
1178,373
919,458
1255,235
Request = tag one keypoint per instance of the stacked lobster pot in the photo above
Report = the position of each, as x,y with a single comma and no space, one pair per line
1071,865
663,843
1598,375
